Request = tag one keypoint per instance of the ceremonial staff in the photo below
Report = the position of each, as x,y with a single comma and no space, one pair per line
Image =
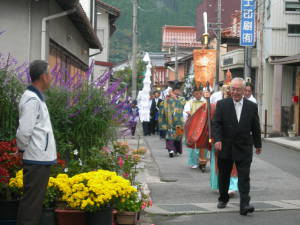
205,41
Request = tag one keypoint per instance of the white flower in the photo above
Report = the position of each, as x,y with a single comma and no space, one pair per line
80,162
66,170
75,152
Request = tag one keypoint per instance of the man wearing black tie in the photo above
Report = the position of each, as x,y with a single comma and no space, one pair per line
236,129
154,112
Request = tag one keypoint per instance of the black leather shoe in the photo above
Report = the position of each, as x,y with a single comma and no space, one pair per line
221,205
247,209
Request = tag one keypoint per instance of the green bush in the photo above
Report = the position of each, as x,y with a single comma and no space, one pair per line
82,120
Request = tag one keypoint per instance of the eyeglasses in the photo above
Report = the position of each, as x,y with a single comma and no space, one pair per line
236,89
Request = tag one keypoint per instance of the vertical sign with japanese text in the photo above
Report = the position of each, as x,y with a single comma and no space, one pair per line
247,34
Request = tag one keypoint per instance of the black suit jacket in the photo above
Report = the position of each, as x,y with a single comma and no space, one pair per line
153,109
237,137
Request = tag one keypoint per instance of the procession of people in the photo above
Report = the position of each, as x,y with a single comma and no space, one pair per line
217,129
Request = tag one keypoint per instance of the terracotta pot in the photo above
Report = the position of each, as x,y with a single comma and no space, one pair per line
127,218
103,217
70,217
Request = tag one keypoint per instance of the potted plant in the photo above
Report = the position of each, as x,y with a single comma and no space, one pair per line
292,132
128,209
94,193
10,163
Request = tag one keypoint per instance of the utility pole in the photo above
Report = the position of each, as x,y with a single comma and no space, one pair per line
134,48
218,35
247,63
176,61
260,48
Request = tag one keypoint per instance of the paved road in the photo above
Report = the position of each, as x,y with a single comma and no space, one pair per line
176,189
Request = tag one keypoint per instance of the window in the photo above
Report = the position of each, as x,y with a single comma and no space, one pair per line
100,34
292,7
294,29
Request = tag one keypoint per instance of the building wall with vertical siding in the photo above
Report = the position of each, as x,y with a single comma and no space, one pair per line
278,41
267,92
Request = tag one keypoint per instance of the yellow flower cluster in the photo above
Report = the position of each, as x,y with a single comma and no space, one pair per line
92,190
17,182
87,191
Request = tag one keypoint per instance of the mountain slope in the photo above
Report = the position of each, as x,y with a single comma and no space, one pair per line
152,15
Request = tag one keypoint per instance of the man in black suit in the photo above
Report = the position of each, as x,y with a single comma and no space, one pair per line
235,129
154,112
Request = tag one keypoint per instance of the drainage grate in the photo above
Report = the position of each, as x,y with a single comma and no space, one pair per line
181,208
260,205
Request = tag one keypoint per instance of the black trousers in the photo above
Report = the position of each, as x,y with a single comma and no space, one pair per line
146,128
133,128
35,179
153,126
243,168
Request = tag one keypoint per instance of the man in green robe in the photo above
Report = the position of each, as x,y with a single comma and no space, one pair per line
171,120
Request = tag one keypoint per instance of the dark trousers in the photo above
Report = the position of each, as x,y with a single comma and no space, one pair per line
162,134
153,126
243,169
146,128
35,179
175,146
133,128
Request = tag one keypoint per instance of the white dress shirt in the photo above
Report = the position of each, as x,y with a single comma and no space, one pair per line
238,108
216,97
252,99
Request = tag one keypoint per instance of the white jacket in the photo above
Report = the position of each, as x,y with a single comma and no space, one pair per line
35,135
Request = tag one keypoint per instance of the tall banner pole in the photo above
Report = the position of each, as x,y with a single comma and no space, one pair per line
205,38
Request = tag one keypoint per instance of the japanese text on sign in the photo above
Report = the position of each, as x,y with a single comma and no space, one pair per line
247,33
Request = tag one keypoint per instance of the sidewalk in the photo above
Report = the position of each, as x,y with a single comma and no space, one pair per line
288,142
176,189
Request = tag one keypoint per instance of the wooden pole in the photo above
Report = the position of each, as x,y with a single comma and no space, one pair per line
266,121
208,114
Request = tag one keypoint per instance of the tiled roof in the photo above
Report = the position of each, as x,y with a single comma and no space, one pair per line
183,36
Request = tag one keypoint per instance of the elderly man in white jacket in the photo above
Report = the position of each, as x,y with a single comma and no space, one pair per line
35,140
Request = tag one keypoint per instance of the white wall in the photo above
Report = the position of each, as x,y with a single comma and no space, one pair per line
86,5
14,21
103,30
278,42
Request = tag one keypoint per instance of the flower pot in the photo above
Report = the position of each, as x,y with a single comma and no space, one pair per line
127,218
70,217
48,217
8,209
103,217
292,133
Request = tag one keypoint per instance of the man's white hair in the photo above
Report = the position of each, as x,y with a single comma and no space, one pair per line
238,79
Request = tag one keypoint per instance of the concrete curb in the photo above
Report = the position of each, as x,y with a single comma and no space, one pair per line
278,142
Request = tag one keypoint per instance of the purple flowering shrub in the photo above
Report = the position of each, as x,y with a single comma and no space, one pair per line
84,115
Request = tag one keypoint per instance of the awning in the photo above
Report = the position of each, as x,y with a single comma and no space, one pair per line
290,60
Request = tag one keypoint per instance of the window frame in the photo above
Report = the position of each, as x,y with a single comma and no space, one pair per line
293,34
